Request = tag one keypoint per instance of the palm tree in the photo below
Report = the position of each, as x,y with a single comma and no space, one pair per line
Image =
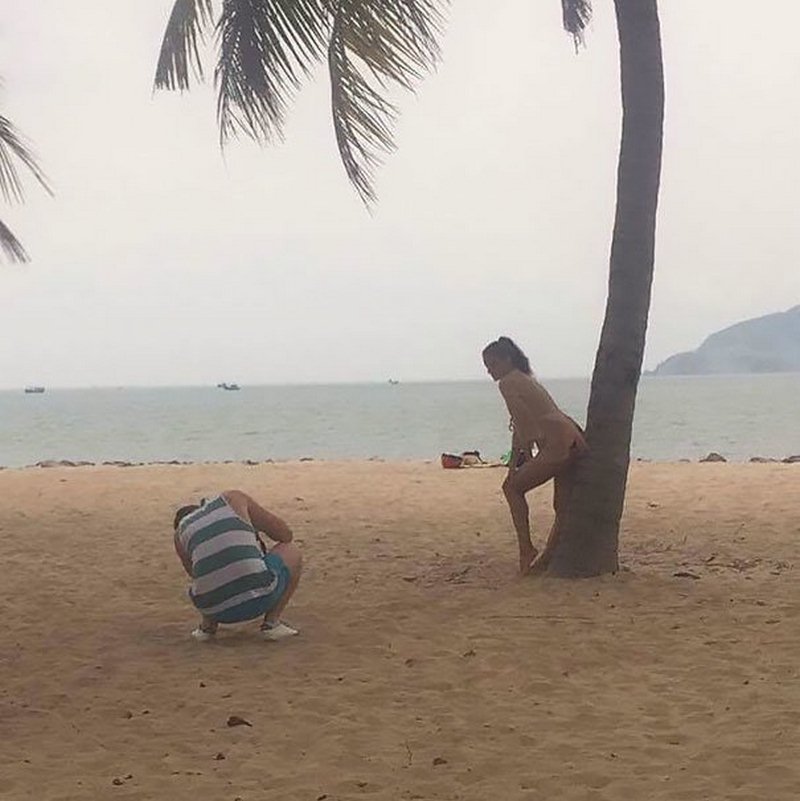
589,542
266,47
13,149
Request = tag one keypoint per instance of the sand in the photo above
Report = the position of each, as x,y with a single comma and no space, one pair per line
424,670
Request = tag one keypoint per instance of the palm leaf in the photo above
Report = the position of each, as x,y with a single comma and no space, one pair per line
188,23
266,47
375,43
11,246
577,14
13,147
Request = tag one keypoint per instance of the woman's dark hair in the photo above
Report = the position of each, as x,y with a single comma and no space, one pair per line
504,346
182,512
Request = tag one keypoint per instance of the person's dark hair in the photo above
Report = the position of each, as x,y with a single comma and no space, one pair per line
504,346
182,512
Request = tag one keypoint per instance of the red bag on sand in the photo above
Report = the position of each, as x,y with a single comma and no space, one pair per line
450,461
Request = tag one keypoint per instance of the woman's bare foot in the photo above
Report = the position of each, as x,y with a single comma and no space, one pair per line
540,563
527,558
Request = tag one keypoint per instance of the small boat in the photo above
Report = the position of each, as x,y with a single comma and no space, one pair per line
34,390
393,381
229,387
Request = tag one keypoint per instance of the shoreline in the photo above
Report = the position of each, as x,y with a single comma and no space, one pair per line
45,464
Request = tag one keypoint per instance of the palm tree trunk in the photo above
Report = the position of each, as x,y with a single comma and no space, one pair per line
590,530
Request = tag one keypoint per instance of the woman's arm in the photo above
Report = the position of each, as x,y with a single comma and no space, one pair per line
522,432
520,452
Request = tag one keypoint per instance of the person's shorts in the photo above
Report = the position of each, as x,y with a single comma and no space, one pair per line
257,607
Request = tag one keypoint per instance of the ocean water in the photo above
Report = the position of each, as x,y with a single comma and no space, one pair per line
676,417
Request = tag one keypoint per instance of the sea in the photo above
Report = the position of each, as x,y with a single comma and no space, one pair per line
676,418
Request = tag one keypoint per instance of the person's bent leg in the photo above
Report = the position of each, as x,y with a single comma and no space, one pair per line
520,516
530,475
563,483
293,559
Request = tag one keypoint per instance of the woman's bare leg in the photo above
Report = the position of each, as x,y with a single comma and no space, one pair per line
520,517
563,483
518,482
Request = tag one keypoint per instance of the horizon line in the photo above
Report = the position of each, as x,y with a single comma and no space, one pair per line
244,385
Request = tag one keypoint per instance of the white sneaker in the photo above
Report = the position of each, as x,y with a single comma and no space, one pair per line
272,632
201,635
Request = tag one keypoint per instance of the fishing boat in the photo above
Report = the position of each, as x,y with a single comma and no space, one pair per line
34,390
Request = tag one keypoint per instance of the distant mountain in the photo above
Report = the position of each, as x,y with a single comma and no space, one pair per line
769,344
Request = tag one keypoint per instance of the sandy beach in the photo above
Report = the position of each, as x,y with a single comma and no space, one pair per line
424,669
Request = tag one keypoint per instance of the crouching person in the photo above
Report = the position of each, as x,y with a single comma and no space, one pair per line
234,576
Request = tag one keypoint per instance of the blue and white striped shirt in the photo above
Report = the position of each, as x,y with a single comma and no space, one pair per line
228,567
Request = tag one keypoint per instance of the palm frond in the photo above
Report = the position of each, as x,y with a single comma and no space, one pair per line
11,246
265,49
577,15
187,25
12,146
389,42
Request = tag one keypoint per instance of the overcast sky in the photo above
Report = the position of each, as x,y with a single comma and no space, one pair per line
160,262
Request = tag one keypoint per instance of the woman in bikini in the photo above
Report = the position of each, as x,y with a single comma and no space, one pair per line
537,422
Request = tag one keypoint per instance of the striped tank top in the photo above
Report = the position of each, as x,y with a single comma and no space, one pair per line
228,567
